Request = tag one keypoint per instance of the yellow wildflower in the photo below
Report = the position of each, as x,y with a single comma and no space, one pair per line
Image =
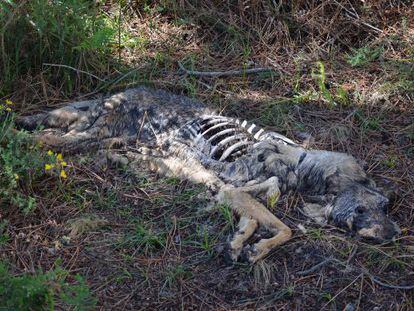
8,109
63,174
49,166
50,152
63,163
9,102
59,157
16,176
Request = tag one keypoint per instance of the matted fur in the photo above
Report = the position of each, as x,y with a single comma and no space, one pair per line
242,163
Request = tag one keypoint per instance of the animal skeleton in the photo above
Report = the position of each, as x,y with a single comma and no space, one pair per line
238,160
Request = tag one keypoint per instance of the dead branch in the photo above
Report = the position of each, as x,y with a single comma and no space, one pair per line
75,69
375,280
318,266
224,73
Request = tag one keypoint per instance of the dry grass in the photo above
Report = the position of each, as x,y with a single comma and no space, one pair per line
160,247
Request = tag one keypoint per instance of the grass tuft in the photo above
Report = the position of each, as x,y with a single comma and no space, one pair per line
41,291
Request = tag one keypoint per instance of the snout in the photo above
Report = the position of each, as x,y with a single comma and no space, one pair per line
380,233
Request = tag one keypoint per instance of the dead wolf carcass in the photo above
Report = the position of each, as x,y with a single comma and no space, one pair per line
239,161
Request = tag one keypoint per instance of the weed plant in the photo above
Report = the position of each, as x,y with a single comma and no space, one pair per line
21,164
38,32
41,291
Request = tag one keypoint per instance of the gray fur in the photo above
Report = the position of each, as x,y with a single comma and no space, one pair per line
236,152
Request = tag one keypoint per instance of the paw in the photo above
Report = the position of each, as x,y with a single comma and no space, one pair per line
252,254
228,256
248,254
231,255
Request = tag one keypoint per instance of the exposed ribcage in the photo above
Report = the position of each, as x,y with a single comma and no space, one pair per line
227,138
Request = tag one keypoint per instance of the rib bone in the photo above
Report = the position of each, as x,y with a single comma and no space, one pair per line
225,142
215,127
228,151
221,133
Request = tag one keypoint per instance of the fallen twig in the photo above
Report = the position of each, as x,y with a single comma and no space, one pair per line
375,280
223,73
75,69
317,266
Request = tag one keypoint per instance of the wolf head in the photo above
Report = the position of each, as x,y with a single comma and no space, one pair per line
342,194
361,208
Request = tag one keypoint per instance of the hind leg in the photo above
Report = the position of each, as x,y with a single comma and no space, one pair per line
246,206
259,250
64,117
70,124
246,228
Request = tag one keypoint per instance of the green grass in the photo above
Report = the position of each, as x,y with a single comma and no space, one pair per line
277,114
175,274
320,76
363,56
104,199
367,123
71,32
205,240
391,161
42,291
227,214
4,236
144,239
385,259
401,78
316,234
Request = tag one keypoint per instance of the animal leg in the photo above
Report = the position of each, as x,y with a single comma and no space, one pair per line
246,228
63,117
259,250
270,187
246,206
66,125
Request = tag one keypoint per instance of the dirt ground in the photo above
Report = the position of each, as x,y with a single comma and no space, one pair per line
155,243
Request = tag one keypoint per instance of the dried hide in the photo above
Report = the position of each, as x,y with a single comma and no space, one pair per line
238,160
